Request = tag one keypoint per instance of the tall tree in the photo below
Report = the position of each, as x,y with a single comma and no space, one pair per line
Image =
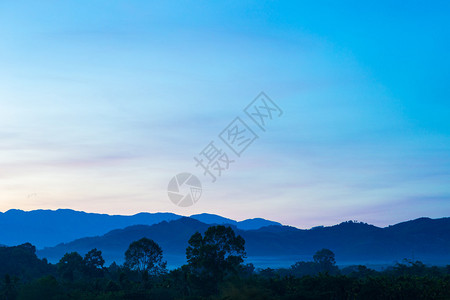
70,264
93,262
145,255
218,253
325,259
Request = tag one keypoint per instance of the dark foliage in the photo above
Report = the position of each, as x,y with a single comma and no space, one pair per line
21,261
218,256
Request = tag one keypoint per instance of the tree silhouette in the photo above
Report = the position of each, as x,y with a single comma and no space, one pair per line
22,261
70,264
93,262
215,254
145,255
325,259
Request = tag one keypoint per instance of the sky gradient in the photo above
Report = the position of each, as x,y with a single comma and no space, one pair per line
102,102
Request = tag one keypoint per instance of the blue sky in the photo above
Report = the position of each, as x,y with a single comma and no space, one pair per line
102,102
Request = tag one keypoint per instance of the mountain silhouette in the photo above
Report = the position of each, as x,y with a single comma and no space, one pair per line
248,224
45,228
423,239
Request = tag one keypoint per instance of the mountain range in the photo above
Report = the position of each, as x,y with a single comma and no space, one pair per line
46,228
268,243
422,239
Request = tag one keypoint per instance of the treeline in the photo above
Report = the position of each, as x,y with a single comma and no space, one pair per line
215,269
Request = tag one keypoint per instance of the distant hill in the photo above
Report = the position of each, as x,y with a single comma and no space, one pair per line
424,239
45,228
245,225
